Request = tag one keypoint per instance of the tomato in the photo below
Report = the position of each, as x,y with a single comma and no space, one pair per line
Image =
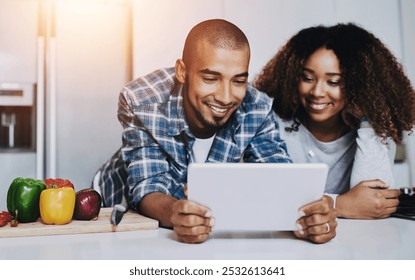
5,217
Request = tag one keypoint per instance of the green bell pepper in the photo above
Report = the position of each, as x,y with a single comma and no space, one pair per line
23,195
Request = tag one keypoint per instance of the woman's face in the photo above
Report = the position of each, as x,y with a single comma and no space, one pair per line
320,87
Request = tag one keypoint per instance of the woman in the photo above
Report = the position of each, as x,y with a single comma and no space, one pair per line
342,98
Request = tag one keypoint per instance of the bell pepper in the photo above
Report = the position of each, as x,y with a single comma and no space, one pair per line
57,205
58,183
23,197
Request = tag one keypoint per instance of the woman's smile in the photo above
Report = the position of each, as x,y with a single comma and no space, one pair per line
318,106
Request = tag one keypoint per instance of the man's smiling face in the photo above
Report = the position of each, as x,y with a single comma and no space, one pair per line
215,83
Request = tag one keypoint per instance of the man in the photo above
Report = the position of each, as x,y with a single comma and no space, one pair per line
203,110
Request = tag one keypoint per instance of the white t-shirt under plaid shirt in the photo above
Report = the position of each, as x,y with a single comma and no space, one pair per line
157,142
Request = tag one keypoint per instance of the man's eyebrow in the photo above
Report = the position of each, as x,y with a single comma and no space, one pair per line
328,73
242,75
211,72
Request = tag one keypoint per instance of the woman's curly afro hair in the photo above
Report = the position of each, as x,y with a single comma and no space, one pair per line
373,79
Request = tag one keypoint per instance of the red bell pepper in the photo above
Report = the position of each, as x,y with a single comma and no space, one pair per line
52,183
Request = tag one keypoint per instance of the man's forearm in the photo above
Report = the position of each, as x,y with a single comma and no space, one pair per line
158,206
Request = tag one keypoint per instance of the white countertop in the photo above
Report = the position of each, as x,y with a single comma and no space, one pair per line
356,239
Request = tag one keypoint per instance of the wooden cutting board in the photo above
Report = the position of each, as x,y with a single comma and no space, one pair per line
130,221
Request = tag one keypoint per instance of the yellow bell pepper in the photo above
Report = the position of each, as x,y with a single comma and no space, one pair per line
57,205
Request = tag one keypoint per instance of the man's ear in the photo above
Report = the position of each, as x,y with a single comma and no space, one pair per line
180,71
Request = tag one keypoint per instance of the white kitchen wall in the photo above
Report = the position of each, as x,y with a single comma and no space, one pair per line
408,36
18,31
160,28
93,59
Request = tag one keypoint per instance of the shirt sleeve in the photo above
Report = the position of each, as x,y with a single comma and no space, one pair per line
373,159
267,145
147,166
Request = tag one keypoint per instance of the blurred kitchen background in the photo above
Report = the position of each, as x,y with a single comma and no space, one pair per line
63,63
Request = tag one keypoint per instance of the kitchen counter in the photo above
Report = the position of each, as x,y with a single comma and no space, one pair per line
388,239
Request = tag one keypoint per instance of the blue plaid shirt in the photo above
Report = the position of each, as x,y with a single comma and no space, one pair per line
157,142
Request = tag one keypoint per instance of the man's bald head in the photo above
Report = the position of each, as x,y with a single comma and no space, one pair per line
217,32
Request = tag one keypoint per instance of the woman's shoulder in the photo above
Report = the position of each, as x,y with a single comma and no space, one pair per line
286,127
285,123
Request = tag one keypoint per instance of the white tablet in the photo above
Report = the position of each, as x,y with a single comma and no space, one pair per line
256,196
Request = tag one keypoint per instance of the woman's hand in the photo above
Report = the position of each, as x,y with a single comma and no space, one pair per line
368,200
318,224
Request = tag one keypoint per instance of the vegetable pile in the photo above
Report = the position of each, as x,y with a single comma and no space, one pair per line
54,201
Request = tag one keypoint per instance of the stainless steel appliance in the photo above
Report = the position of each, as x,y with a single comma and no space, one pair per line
19,151
18,117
